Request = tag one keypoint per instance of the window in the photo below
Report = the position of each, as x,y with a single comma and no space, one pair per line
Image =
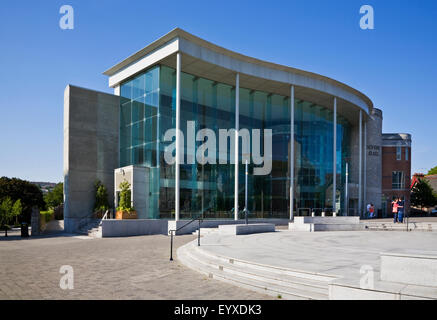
406,154
398,180
398,153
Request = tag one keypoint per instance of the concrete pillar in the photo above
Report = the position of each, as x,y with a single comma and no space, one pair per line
334,159
291,152
178,149
237,128
360,160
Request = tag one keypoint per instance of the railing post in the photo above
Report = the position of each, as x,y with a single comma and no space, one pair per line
171,245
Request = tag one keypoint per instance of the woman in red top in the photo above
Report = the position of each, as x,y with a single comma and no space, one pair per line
372,211
394,204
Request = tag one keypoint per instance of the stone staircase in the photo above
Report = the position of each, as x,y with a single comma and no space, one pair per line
274,281
91,228
390,226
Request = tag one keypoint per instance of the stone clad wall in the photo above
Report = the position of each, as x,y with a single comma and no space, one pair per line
373,154
91,150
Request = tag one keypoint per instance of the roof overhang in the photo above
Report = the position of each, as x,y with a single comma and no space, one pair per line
208,60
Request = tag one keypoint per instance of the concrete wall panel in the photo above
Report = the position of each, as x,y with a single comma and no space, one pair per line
91,125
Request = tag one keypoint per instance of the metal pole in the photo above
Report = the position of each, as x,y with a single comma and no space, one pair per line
237,128
360,157
291,152
365,167
171,245
245,195
198,236
346,206
178,119
334,159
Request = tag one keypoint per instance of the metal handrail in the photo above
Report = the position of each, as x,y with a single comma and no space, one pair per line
172,232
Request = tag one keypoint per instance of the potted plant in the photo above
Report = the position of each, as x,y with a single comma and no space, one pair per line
101,203
125,209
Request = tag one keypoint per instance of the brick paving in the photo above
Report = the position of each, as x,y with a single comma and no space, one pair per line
109,268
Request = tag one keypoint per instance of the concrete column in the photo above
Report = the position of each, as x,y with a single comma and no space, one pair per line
360,160
178,120
334,159
237,128
291,151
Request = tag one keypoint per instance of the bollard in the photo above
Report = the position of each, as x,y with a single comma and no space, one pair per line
313,214
323,213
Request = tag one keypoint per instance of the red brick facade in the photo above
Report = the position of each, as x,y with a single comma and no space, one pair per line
390,164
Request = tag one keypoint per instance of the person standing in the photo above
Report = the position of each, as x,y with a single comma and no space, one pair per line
368,210
401,210
372,211
394,205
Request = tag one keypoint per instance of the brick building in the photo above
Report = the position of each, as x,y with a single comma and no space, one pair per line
396,169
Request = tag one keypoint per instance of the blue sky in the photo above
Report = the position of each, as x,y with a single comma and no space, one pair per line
395,64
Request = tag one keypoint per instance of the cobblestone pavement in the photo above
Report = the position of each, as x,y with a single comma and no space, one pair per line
109,268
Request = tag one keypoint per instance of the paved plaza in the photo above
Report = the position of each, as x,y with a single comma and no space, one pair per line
108,268
338,253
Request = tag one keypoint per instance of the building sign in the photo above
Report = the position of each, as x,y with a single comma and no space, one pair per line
373,150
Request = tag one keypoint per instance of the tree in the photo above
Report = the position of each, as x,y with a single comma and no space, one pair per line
432,171
29,193
55,197
125,197
422,195
102,203
5,213
17,209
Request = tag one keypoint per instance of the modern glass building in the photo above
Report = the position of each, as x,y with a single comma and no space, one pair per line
148,110
321,134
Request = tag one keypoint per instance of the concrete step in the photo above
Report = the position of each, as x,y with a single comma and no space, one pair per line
382,290
204,231
412,226
263,275
95,232
264,279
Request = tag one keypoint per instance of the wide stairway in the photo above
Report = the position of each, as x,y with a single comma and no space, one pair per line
274,281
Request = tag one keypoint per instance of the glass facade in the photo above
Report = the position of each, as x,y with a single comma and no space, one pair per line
148,104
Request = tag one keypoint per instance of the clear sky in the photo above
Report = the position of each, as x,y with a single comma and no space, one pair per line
394,64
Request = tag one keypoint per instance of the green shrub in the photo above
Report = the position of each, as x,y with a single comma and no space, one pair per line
101,196
125,197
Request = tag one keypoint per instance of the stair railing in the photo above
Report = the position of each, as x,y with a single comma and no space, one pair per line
173,232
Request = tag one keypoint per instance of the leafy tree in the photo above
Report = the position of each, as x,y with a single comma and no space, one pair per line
29,193
432,171
5,213
17,209
422,195
125,197
55,197
102,203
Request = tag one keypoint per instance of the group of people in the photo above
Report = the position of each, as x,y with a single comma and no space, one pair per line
398,210
370,211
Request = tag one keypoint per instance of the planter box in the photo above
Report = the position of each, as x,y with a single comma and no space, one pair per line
120,215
